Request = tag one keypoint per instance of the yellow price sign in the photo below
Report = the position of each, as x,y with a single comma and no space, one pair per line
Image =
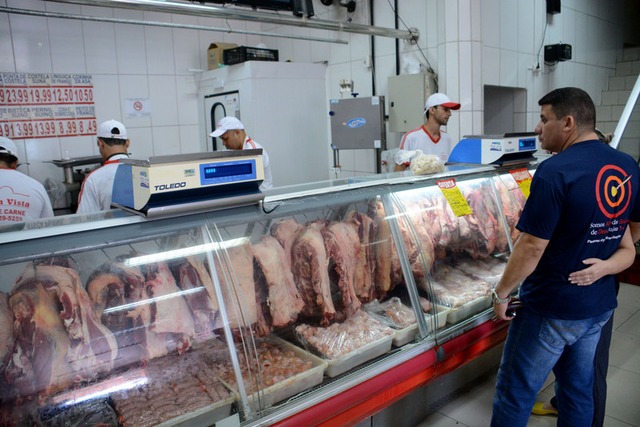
523,178
454,197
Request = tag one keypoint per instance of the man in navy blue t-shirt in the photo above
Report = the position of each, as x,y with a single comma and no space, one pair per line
581,202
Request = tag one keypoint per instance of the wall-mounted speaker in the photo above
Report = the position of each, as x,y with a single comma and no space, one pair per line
557,52
553,6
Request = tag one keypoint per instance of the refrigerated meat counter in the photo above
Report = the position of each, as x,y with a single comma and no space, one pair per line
307,308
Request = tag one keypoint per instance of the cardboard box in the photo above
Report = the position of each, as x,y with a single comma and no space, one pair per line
214,54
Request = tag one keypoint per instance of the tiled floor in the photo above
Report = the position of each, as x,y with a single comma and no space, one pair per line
473,407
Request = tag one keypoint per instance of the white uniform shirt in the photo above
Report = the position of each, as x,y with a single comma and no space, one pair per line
250,144
95,194
419,139
22,198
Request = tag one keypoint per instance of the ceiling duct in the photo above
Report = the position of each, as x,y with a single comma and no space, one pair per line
163,24
202,10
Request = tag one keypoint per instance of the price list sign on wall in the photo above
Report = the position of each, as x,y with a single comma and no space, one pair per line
46,105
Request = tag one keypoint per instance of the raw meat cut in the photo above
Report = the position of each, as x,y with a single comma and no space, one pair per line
39,362
120,300
343,248
7,337
452,288
236,276
310,268
92,349
340,339
286,231
192,277
388,271
283,300
170,315
363,280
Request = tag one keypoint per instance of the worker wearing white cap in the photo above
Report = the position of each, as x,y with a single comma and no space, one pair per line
22,198
231,131
113,143
429,138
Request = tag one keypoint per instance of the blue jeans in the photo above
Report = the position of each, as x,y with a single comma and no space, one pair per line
535,345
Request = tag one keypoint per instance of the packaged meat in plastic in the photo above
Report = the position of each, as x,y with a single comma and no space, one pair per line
452,288
340,339
391,312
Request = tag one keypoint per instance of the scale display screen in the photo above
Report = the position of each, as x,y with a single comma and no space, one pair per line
527,144
222,172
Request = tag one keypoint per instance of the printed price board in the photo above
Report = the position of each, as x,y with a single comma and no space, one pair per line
46,105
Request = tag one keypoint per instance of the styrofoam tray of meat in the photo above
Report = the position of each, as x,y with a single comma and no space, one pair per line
405,335
457,314
359,356
202,417
440,315
297,383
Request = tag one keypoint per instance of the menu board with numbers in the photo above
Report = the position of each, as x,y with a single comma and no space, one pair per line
41,105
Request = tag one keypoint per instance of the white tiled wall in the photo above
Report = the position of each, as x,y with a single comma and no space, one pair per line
469,43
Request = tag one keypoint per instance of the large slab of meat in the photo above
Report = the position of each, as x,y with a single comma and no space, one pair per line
171,318
343,248
192,277
388,272
236,276
7,337
286,231
365,229
487,229
283,301
310,268
38,365
59,339
512,201
121,301
93,348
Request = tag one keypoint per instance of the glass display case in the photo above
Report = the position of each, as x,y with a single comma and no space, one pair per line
253,312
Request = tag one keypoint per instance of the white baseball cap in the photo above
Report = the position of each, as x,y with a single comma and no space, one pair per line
112,129
440,99
7,146
225,124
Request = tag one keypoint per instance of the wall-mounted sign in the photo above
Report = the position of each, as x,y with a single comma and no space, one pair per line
137,107
42,105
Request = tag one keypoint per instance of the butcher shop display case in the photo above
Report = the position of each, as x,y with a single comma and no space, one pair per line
253,313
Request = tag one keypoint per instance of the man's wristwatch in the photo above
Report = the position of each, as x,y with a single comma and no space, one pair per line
497,299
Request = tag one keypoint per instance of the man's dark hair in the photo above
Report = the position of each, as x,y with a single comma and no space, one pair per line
8,158
113,141
572,101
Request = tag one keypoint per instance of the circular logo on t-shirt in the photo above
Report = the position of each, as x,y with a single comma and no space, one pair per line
613,191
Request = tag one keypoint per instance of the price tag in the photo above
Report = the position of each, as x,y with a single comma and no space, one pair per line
454,197
523,178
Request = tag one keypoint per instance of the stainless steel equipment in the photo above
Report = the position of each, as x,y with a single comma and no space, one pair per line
73,178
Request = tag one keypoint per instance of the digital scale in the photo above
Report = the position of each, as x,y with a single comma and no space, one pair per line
170,185
495,149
